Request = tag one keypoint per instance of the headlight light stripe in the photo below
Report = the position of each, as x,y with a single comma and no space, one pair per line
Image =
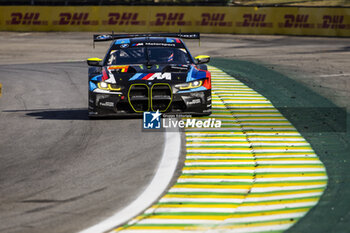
189,85
108,87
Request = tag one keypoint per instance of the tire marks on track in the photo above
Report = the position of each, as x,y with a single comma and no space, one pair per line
255,174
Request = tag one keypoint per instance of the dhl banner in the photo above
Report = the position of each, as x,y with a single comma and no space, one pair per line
240,20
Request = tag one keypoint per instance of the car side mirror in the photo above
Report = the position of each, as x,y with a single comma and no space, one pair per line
94,61
201,59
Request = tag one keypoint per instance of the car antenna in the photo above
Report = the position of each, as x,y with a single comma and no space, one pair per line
199,41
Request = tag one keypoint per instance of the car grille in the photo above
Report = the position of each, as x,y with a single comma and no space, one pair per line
138,97
161,97
142,98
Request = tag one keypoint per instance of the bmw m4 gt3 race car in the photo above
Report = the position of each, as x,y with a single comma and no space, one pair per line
148,72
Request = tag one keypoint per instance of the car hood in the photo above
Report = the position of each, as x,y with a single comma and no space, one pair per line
154,73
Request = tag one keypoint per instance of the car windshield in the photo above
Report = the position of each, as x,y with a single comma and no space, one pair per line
148,55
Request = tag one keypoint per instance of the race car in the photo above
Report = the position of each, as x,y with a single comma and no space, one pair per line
148,73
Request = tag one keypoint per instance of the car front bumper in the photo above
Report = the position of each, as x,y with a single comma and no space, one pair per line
190,103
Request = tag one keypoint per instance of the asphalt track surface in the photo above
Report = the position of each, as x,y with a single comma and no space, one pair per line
60,172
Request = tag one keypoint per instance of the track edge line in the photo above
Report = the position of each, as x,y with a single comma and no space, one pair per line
160,182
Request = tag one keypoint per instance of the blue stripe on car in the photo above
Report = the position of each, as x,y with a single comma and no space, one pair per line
97,78
195,74
168,40
194,89
201,74
122,41
189,75
92,86
136,76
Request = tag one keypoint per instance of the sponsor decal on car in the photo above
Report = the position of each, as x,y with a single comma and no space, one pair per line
137,44
107,104
104,37
123,46
194,101
159,44
151,76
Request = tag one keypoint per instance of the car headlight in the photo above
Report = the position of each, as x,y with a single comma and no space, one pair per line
108,86
189,85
